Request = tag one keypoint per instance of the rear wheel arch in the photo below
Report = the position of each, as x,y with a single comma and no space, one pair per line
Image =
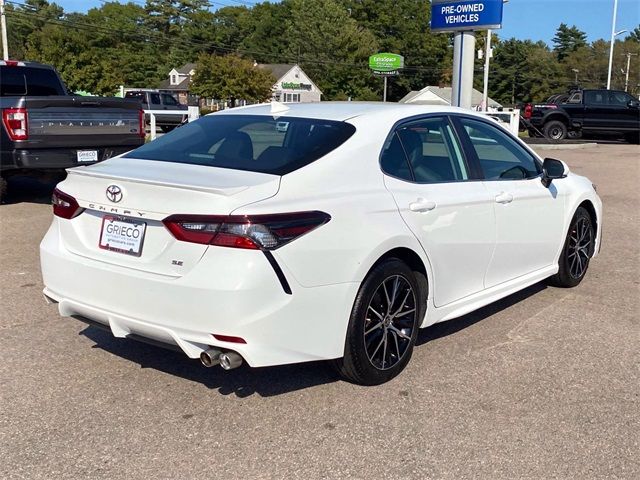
558,117
415,263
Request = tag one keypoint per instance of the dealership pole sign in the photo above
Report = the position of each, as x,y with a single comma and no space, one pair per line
457,15
463,17
386,64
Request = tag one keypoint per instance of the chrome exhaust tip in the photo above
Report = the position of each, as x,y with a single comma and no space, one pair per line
230,360
210,358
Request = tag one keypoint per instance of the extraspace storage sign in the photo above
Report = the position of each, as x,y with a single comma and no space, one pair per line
457,15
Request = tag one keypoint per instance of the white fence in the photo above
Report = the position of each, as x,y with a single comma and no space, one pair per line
193,113
509,118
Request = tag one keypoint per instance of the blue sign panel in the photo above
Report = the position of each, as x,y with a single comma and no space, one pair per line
456,15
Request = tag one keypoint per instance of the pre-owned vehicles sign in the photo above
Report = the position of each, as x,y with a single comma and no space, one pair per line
456,15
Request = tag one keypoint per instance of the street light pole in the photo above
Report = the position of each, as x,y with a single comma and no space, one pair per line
485,93
613,39
626,81
3,27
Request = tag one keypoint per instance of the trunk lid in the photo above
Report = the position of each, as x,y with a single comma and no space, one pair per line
149,191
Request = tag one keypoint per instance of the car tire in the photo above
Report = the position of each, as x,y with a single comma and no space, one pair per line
384,323
555,130
577,251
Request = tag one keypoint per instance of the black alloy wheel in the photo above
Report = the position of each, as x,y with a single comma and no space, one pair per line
384,323
578,249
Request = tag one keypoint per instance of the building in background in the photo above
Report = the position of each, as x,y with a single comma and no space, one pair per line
442,96
179,82
292,85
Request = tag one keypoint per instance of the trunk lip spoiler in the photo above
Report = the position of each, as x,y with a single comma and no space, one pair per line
225,191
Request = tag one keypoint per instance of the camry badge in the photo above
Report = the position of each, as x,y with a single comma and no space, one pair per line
114,193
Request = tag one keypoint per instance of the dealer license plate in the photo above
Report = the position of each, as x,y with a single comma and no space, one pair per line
122,235
87,156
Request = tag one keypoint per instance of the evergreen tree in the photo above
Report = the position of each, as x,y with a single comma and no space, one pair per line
567,40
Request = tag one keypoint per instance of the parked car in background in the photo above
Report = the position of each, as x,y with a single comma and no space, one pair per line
155,100
609,112
45,129
337,239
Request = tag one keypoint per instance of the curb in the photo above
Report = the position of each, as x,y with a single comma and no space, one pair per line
568,146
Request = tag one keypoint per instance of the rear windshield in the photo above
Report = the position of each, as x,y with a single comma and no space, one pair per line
248,142
21,81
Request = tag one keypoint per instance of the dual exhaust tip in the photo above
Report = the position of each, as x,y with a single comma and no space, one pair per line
227,360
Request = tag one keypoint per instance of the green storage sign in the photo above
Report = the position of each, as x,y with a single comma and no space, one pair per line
386,62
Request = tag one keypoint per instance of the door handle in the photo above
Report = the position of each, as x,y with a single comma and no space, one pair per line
421,205
504,198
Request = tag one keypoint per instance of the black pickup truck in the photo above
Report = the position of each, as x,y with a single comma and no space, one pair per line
609,112
44,129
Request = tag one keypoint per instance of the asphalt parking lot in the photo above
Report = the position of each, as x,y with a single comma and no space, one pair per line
544,384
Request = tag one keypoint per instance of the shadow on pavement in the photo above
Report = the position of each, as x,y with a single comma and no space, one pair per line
32,189
450,327
270,381
243,381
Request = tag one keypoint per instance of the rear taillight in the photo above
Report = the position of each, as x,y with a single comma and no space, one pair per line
528,110
142,133
15,123
65,206
256,232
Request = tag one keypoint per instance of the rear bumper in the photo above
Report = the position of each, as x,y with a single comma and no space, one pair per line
230,292
54,158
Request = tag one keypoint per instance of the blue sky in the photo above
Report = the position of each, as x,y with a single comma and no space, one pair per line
533,19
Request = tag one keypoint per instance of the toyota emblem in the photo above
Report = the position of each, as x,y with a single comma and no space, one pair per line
114,193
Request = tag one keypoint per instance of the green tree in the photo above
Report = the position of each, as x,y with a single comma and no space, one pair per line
231,78
333,49
24,19
524,71
635,34
402,26
567,40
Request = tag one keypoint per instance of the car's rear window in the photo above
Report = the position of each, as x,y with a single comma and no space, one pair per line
21,81
248,142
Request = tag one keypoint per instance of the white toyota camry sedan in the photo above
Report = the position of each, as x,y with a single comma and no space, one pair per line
278,234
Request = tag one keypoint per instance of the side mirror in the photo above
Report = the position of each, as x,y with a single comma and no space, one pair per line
553,169
633,104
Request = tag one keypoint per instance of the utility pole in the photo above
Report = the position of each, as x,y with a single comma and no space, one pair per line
3,25
487,55
626,81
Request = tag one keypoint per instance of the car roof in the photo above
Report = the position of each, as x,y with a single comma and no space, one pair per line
341,111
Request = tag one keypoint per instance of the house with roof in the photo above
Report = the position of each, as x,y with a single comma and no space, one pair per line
178,83
432,95
292,85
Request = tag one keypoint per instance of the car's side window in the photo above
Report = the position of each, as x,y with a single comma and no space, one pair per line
168,99
500,156
433,151
394,160
576,98
619,99
155,98
596,97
